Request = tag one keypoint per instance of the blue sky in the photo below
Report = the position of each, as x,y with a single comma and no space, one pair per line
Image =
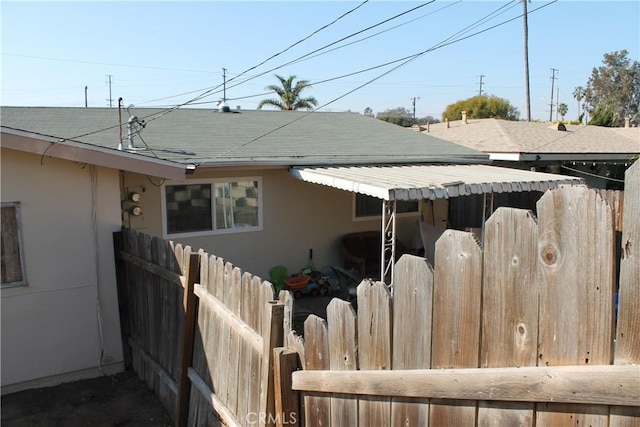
155,50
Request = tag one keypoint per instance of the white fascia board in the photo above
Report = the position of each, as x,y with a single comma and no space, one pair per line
342,184
91,154
512,157
580,157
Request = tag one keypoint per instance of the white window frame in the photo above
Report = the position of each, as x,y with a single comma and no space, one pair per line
23,270
377,216
212,182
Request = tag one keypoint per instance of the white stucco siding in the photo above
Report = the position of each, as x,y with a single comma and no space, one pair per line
51,328
297,216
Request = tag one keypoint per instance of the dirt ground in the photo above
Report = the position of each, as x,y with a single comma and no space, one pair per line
120,400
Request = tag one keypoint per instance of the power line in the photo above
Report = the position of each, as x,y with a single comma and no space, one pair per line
336,42
300,59
251,68
209,90
305,38
407,60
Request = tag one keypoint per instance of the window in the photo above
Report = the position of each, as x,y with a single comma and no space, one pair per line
366,207
209,207
12,264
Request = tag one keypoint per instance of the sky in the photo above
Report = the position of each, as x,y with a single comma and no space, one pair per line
167,53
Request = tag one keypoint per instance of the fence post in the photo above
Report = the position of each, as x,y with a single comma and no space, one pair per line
123,301
287,401
189,303
273,337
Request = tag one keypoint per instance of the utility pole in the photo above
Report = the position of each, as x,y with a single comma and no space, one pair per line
553,80
224,85
480,91
413,103
109,82
86,104
557,102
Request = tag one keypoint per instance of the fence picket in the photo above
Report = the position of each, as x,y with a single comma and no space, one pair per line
412,310
575,228
510,299
374,347
342,332
457,293
317,408
628,333
235,289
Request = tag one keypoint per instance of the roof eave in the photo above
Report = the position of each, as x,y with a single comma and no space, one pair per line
345,160
85,153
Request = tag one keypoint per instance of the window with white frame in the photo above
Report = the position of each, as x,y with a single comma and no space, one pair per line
12,268
368,207
213,206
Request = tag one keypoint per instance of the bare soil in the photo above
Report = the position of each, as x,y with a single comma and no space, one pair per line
119,400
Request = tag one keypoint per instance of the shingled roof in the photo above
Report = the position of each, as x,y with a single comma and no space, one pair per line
209,138
532,138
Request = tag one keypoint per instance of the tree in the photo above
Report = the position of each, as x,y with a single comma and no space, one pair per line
526,59
368,112
482,107
603,116
562,110
289,95
614,88
427,119
398,116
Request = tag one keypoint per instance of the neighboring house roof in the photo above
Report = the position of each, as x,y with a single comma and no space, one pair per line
517,140
207,137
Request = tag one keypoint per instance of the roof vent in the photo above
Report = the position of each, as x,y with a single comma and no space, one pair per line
223,107
558,126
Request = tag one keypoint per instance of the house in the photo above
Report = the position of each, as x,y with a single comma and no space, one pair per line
258,188
60,207
599,155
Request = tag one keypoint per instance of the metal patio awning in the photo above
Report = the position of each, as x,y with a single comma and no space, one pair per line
415,182
430,182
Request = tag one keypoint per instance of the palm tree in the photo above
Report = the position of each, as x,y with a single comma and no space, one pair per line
289,95
526,59
578,94
562,110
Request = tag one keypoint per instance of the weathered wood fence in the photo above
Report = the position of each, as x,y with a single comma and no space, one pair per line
523,331
199,331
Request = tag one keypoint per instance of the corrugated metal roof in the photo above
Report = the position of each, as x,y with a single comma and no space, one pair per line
415,182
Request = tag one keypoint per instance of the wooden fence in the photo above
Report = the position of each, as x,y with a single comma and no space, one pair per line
522,331
198,331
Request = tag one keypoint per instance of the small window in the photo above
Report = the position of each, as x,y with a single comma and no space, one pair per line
368,206
12,265
208,207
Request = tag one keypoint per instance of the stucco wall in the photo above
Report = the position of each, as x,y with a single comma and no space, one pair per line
55,328
297,216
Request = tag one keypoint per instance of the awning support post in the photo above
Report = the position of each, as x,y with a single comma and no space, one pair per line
388,241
